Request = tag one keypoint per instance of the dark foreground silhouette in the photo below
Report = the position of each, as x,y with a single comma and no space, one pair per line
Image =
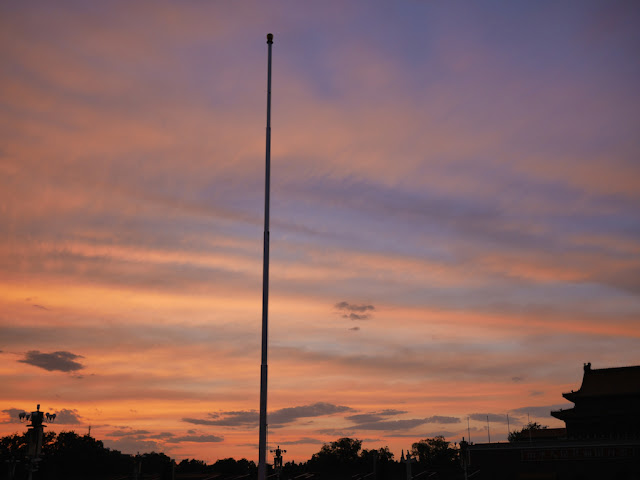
600,440
68,455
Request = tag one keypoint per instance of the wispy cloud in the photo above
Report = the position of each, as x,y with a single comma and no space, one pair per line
493,417
539,411
277,417
196,439
228,419
375,422
319,409
302,441
129,433
353,311
132,445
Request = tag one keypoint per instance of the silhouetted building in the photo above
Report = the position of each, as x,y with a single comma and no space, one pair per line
607,405
601,439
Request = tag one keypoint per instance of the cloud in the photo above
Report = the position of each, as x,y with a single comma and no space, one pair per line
275,418
163,435
374,416
11,415
442,419
480,360
540,411
288,415
132,445
302,441
140,440
40,307
374,421
338,433
354,312
354,308
354,329
228,419
129,433
200,421
196,439
436,433
63,417
493,417
391,411
61,361
68,417
392,424
364,418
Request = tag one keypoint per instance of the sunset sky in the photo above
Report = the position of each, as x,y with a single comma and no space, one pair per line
455,217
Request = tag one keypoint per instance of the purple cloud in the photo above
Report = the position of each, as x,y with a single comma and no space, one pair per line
56,361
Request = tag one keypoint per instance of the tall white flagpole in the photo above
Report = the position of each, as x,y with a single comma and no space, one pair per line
262,454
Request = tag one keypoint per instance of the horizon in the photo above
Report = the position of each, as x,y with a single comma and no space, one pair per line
454,221
395,457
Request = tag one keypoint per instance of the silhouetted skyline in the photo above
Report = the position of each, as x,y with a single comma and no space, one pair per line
454,218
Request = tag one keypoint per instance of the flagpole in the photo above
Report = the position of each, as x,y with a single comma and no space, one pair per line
262,448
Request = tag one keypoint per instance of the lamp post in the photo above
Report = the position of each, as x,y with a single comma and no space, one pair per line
35,434
277,461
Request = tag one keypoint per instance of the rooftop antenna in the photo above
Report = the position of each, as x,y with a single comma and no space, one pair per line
262,448
488,430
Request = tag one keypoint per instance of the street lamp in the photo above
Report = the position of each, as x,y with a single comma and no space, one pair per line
35,434
277,460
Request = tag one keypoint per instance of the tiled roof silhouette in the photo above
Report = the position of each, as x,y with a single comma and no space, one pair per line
608,382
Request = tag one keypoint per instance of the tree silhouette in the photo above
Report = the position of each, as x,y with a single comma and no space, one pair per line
69,456
379,461
339,458
192,466
78,456
524,433
434,452
235,467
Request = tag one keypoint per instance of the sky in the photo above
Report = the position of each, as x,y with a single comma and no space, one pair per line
455,217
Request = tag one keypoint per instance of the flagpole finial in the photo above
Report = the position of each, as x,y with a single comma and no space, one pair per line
269,37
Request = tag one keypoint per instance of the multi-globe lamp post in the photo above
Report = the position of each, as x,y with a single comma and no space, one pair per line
35,435
277,461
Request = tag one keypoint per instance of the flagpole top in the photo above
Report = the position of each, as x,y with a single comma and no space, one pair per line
269,38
